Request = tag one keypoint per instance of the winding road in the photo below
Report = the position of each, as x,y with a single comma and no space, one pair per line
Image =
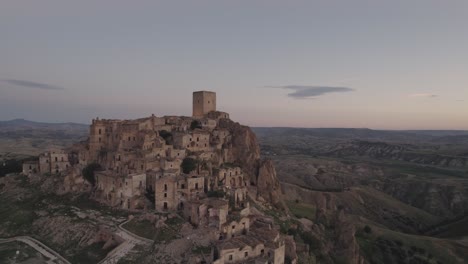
130,241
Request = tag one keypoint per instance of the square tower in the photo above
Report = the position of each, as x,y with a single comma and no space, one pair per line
203,103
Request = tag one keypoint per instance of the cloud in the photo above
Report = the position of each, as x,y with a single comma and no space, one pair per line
427,95
310,92
34,85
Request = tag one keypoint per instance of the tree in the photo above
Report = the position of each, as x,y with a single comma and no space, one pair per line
167,136
367,229
88,172
195,124
188,165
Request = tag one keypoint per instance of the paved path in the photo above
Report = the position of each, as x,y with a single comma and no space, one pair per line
130,241
49,253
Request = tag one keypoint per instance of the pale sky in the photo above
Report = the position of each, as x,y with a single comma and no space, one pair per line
394,64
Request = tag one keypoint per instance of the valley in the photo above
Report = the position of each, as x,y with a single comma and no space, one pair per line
407,186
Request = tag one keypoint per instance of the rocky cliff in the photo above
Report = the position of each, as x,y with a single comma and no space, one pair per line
243,149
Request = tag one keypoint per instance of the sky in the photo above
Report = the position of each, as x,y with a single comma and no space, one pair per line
381,64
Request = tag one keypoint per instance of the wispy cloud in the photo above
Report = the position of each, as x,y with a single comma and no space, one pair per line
427,95
310,92
34,85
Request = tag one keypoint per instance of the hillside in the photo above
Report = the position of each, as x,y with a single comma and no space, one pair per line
406,186
21,137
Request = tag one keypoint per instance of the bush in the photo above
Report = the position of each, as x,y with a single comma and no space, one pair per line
367,229
195,124
188,165
217,194
167,136
88,172
309,239
10,166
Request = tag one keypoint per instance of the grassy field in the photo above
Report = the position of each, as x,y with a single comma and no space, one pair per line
301,210
386,246
26,254
455,230
146,229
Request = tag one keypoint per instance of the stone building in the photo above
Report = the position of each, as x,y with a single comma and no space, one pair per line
122,191
261,244
30,167
203,103
52,162
145,156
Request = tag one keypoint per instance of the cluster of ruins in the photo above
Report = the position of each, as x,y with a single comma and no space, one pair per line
183,162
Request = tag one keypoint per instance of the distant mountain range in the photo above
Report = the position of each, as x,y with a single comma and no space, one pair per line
20,136
402,136
23,123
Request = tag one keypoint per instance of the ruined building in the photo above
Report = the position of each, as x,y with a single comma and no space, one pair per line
196,166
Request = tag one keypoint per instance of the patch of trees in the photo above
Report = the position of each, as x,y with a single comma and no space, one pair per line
167,136
188,165
10,166
216,194
88,172
195,124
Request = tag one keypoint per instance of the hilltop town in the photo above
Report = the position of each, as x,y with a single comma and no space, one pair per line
205,167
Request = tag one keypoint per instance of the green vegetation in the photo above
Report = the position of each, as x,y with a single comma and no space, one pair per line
167,136
455,228
188,165
146,229
26,254
301,210
25,204
216,193
195,124
385,246
367,229
143,228
90,254
201,250
88,172
10,166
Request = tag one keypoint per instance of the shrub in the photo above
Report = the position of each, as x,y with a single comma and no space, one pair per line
367,229
188,165
195,124
217,194
10,166
88,172
167,136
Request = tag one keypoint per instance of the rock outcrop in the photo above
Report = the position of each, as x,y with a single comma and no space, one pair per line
243,148
268,186
245,151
